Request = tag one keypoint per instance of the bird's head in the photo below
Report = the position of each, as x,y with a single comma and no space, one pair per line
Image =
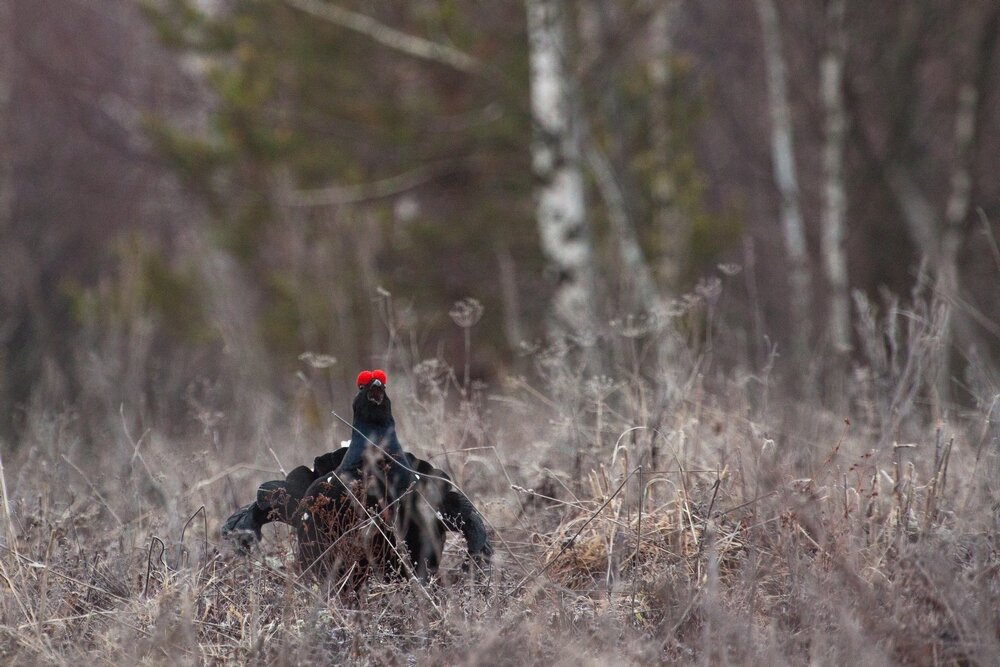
372,404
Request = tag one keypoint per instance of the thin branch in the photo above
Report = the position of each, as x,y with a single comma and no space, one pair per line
149,561
632,257
340,195
638,544
988,232
391,37
11,533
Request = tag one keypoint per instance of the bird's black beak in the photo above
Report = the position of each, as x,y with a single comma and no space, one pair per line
376,392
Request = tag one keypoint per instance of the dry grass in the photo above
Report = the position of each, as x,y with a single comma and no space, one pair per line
686,515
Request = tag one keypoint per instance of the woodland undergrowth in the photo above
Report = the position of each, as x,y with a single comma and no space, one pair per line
679,504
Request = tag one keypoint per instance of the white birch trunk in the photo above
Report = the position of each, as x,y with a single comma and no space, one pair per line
783,164
555,153
834,191
667,218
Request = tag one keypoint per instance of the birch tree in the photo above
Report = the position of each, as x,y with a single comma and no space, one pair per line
939,235
967,119
785,178
555,153
667,218
834,191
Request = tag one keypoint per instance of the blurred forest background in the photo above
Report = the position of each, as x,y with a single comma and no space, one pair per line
202,203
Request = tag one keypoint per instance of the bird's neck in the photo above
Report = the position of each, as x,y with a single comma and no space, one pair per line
364,434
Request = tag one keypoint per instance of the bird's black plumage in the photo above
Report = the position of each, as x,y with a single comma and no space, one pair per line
363,506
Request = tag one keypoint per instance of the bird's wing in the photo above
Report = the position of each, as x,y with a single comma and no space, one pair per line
461,515
457,511
279,498
327,463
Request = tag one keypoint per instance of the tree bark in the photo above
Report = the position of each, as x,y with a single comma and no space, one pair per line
555,152
633,260
967,117
6,93
834,190
967,114
608,163
507,274
938,237
783,164
13,257
667,217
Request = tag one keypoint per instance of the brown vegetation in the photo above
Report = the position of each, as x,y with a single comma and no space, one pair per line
769,531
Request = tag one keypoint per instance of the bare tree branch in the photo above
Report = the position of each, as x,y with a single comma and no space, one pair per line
632,257
339,195
395,39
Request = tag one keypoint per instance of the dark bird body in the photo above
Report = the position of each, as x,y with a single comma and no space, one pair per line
369,507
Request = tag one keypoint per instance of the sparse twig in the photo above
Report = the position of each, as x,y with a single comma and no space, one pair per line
387,36
204,517
149,561
8,518
638,542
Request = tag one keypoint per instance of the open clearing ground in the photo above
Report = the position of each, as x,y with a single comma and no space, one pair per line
769,532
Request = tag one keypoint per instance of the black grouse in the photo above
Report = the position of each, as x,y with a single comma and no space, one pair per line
352,509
